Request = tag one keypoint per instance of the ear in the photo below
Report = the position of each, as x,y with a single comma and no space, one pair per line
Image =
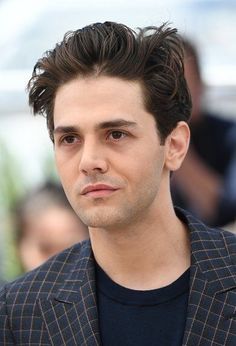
177,144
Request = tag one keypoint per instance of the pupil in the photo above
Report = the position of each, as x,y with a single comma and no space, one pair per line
70,139
116,135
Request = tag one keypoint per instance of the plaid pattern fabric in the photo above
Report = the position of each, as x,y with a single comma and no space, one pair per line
56,303
211,316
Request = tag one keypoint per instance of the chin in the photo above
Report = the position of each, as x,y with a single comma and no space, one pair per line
100,219
97,222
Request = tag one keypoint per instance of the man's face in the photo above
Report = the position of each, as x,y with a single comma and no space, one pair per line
108,152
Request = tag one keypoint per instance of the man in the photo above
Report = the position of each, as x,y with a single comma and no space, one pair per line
117,107
205,184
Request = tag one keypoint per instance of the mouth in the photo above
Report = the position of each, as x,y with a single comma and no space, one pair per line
98,190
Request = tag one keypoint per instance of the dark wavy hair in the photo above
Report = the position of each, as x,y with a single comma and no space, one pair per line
152,56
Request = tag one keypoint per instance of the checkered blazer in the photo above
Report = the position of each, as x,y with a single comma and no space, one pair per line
56,303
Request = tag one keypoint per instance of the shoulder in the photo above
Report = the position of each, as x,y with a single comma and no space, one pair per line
229,238
45,280
204,238
230,242
21,301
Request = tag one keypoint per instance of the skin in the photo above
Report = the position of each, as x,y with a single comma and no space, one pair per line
47,233
104,135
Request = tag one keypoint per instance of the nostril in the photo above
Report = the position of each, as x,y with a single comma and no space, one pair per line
93,166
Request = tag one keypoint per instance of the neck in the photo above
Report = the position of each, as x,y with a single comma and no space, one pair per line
147,255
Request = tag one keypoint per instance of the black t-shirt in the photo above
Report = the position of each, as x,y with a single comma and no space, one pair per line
131,317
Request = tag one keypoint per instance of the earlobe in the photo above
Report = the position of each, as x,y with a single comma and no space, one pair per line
177,144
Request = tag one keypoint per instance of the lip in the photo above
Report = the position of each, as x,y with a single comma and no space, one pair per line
98,190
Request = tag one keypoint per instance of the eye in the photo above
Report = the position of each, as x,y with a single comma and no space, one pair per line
117,135
69,139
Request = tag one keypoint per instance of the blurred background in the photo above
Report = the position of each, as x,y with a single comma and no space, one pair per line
29,28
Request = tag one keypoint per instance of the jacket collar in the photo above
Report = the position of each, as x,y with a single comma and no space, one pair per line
82,272
211,304
71,316
209,254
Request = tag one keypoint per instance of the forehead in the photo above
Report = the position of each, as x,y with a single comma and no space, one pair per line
98,99
102,86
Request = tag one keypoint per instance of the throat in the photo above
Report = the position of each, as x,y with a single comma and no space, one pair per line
150,261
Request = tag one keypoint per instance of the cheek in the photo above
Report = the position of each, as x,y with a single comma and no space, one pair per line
67,179
66,167
145,165
58,162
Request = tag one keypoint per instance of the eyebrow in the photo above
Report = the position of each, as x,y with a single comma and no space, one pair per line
64,129
116,123
101,126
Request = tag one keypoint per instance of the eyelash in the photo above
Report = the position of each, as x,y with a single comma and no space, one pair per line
123,134
64,139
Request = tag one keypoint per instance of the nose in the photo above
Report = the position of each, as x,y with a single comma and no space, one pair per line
92,159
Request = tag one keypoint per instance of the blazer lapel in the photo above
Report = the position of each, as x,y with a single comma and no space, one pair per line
71,315
211,306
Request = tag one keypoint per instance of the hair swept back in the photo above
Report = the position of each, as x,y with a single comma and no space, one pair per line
152,55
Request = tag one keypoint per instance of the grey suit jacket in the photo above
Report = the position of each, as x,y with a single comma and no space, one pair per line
56,303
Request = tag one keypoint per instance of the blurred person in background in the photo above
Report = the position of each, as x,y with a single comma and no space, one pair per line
205,183
117,107
2,281
45,225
